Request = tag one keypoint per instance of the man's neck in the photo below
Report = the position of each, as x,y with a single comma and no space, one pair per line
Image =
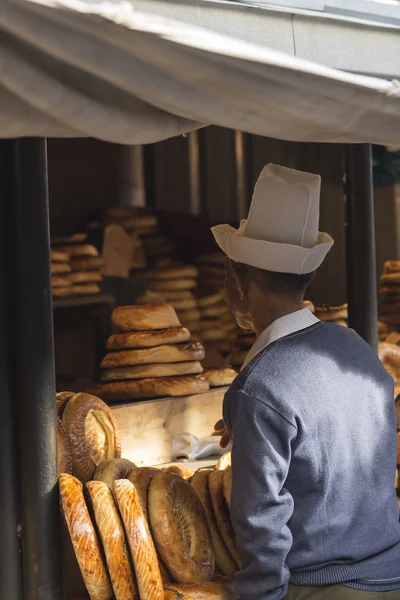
265,314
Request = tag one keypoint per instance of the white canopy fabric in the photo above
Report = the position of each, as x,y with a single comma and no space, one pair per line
77,68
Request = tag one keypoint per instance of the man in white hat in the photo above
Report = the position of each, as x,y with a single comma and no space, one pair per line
311,416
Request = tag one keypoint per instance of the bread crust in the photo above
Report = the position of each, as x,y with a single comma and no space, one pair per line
147,339
331,313
111,469
178,522
111,531
93,433
78,250
210,299
145,317
59,256
85,277
221,513
223,560
391,266
219,377
59,281
61,401
57,268
169,353
84,539
159,387
140,542
64,449
152,370
221,589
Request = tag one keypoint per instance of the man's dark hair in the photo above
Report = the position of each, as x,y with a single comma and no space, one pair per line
277,283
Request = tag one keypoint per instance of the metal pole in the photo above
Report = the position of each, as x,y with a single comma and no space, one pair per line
241,196
10,556
194,173
360,243
35,378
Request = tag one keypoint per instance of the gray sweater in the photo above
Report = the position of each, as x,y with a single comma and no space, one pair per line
314,457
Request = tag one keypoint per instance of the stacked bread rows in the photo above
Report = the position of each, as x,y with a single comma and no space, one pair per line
389,293
76,270
175,285
155,534
333,314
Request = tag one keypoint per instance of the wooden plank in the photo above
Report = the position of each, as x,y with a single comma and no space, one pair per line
147,428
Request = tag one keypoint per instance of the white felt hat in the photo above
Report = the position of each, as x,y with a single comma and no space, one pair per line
281,231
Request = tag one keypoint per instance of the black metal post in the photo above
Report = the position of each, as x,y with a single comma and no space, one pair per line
10,556
360,243
35,378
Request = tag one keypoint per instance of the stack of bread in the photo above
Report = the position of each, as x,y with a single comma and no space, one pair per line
389,293
332,314
176,285
212,270
244,341
151,356
217,326
76,270
152,534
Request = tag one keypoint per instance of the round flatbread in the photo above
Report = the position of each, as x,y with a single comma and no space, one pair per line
146,317
184,272
148,339
169,353
84,539
219,377
160,387
172,284
152,370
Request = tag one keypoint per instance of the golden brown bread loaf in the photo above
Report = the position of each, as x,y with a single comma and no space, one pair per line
389,354
184,272
308,304
179,470
214,311
78,250
220,589
75,238
391,266
111,469
219,377
61,401
169,353
147,339
93,433
64,449
86,263
224,462
112,535
141,478
85,289
142,318
84,539
85,277
58,268
160,285
331,313
140,542
223,559
227,486
152,370
180,530
59,256
158,387
221,513
212,335
210,299
59,281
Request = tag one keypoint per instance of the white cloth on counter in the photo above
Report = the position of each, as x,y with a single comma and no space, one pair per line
188,447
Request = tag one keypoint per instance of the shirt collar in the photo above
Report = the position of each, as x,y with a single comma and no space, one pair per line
286,325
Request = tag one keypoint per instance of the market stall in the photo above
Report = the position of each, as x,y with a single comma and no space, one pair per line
76,69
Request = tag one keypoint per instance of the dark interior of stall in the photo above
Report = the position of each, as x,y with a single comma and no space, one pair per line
89,176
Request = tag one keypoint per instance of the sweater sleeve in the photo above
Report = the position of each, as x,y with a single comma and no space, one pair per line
261,506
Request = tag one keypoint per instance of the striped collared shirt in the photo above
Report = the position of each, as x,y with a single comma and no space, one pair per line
296,321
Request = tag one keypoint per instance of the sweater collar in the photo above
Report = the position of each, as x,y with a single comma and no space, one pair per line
286,325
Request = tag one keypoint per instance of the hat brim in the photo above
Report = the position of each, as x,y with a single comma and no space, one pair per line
272,256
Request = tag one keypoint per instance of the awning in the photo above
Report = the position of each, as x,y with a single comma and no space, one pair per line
72,68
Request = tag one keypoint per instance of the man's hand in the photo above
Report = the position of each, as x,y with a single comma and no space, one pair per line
220,428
